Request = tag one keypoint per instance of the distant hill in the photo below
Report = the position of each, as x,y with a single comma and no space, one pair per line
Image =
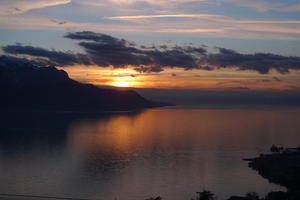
25,85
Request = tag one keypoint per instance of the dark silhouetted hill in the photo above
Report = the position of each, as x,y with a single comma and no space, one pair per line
24,85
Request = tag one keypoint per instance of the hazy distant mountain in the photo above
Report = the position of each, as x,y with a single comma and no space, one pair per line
24,85
226,96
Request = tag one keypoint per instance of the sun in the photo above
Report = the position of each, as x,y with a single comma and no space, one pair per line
126,81
121,84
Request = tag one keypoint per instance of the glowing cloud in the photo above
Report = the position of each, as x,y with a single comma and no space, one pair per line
162,16
19,6
220,18
190,30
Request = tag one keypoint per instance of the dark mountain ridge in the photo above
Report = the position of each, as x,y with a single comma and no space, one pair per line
25,85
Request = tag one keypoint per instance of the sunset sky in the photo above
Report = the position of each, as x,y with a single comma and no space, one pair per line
173,44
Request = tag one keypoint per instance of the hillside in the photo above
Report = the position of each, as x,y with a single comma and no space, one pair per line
25,85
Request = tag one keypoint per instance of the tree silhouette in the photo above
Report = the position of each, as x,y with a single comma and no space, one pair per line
206,195
156,198
252,196
276,149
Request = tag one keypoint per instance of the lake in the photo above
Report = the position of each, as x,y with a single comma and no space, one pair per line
171,152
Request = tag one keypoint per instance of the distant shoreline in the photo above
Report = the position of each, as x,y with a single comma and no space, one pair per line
226,106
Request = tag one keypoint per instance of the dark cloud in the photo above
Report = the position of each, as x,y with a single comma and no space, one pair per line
19,62
104,50
265,80
294,88
207,68
245,82
145,69
58,22
107,50
96,37
53,57
115,54
261,62
237,88
277,79
227,51
163,46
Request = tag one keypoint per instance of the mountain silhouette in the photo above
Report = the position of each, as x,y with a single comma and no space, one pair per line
26,85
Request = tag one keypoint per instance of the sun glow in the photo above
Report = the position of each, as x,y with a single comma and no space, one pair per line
126,81
173,78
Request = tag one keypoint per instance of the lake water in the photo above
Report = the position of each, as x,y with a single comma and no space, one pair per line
172,152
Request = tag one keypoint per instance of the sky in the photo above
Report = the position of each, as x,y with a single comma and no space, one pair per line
172,44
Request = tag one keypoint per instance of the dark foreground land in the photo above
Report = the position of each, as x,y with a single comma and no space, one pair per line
281,167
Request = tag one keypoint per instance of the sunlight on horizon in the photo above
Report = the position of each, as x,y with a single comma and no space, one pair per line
176,79
123,81
123,78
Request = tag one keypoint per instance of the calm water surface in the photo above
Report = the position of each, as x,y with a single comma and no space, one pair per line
171,152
